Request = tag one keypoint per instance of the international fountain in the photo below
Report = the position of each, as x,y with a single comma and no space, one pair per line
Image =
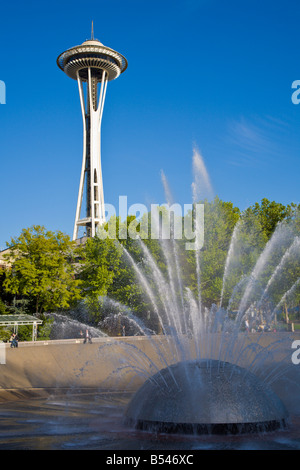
209,380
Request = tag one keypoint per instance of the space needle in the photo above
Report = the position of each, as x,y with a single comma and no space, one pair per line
93,65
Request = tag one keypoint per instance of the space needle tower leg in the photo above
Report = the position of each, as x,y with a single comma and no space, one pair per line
91,172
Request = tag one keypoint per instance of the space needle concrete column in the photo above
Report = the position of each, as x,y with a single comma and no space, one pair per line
92,65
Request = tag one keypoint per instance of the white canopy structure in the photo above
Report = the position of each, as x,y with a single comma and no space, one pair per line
18,320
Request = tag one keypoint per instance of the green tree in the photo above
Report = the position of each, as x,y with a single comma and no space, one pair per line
42,269
219,221
3,308
127,287
99,265
249,242
270,213
107,268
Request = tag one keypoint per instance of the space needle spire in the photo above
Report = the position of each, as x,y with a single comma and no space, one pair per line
92,33
92,65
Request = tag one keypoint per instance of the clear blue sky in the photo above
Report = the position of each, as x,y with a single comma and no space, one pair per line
212,73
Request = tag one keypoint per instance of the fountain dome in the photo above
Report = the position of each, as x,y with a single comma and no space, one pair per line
206,396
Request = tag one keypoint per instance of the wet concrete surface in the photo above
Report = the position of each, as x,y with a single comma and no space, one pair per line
95,422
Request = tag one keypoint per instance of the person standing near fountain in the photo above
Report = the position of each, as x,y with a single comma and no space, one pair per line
88,337
14,341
